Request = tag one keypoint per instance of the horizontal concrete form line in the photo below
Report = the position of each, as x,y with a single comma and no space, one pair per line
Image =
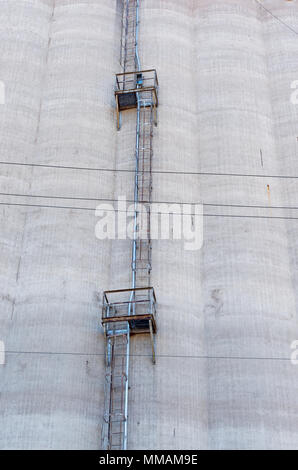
156,172
241,358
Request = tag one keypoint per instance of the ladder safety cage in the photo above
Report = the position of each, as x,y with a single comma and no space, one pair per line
129,33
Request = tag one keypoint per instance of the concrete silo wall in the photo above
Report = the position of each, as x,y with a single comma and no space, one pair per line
60,81
177,405
249,301
227,312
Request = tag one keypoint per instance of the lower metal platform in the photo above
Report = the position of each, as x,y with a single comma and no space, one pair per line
136,306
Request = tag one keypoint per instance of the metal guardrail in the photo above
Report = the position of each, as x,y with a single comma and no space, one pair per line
131,305
131,81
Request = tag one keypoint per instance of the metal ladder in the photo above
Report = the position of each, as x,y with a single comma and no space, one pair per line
141,263
128,35
117,340
114,432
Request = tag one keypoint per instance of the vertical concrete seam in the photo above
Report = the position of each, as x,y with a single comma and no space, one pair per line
35,142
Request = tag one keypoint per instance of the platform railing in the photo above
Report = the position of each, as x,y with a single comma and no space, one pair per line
128,81
129,304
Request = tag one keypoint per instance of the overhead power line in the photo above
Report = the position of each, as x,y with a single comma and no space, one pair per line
157,172
172,356
90,209
276,17
210,204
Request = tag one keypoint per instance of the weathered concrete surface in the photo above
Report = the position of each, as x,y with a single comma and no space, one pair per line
64,54
227,313
249,295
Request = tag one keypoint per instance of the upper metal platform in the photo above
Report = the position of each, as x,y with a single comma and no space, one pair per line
129,84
